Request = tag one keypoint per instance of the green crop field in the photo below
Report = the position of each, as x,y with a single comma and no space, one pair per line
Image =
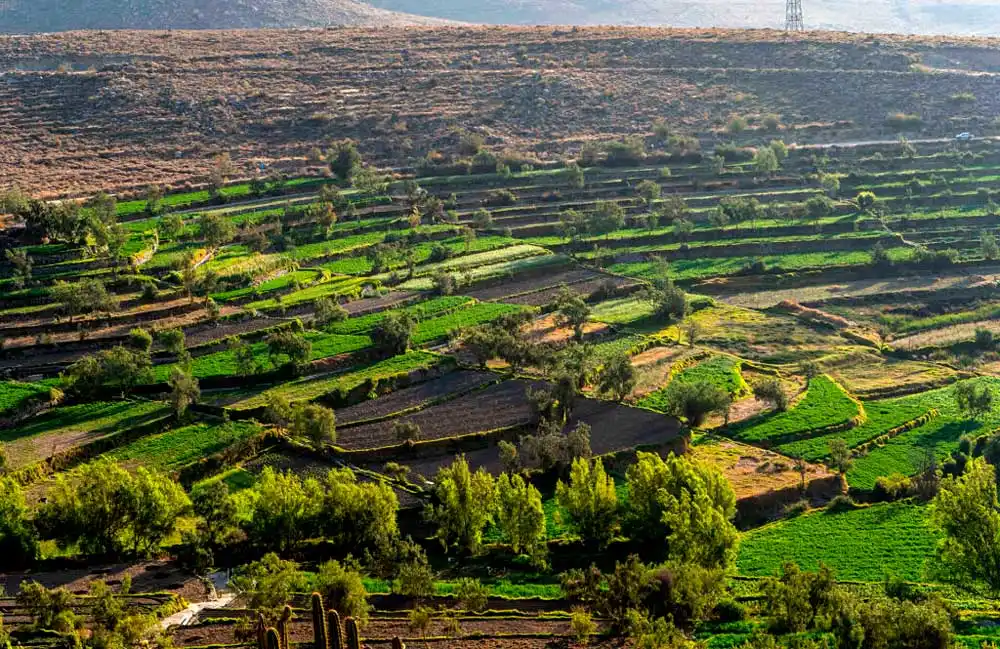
866,544
882,416
179,447
437,328
96,418
421,311
825,404
14,393
720,371
312,388
224,363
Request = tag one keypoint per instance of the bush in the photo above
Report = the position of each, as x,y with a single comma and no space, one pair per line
729,610
695,400
583,626
796,508
343,590
841,503
892,487
500,197
904,121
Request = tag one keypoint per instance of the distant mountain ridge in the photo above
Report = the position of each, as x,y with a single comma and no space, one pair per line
964,17
31,16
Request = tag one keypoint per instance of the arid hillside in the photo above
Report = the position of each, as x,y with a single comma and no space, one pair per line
24,16
80,111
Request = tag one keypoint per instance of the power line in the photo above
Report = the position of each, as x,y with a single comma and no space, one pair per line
793,16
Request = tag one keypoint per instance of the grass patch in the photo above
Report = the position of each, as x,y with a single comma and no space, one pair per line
825,404
865,544
182,446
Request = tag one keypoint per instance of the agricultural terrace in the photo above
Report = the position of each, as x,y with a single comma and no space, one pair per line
802,341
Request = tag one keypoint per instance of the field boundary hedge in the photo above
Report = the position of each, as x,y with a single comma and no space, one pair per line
881,440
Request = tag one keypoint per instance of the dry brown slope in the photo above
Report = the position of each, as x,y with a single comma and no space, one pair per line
30,16
155,106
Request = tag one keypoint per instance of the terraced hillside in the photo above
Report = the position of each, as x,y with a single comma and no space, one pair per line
80,112
451,389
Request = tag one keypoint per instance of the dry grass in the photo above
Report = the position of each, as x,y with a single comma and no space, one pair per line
752,471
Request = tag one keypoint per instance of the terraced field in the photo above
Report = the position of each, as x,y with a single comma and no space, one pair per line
341,332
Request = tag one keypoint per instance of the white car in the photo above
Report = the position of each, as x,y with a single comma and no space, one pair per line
964,137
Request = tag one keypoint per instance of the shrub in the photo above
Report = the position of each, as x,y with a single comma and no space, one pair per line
583,626
406,431
343,590
892,487
796,508
841,503
904,121
695,400
500,197
737,124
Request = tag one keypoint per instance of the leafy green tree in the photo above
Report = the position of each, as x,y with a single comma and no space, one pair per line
866,201
607,217
218,513
357,515
289,344
590,501
463,505
765,161
968,514
988,245
314,423
170,227
841,459
18,544
184,390
819,207
482,219
392,335
268,584
520,515
285,510
246,360
669,301
649,191
771,391
618,376
118,369
216,229
471,594
344,159
85,296
21,264
800,601
343,590
102,508
329,311
974,400
140,340
695,400
573,312
688,503
173,340
414,577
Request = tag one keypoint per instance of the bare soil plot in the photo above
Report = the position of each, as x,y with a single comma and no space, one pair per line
415,396
547,330
752,471
149,577
385,628
531,285
500,406
616,427
764,299
654,366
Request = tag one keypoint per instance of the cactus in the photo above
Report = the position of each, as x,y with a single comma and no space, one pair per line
261,631
320,632
397,643
334,630
273,640
353,637
286,617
